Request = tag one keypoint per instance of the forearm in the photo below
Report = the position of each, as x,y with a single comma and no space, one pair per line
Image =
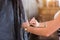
37,31
52,26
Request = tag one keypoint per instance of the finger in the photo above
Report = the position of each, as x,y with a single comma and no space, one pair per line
23,24
33,20
27,21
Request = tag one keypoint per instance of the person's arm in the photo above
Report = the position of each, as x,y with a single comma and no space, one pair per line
52,26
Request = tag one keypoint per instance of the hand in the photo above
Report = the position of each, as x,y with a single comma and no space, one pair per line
34,22
25,24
